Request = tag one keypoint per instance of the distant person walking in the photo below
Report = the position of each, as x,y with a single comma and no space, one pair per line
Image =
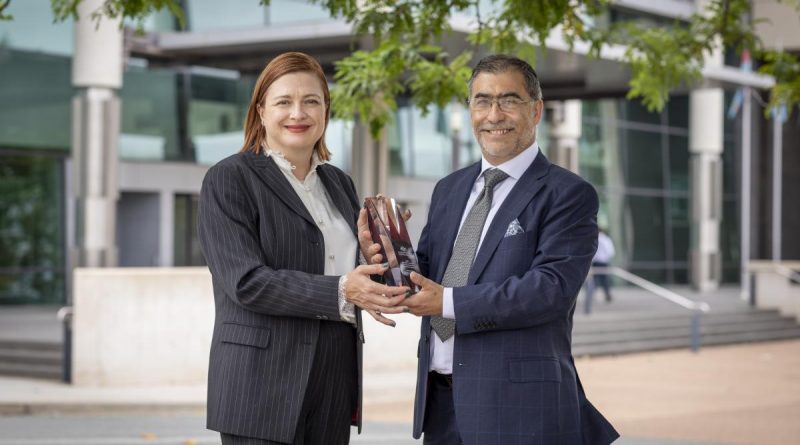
602,258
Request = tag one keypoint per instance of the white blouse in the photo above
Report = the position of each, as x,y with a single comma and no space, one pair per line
340,242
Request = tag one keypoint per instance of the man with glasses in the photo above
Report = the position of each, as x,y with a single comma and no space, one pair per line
510,239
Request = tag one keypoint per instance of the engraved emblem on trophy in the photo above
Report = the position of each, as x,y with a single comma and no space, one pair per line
388,229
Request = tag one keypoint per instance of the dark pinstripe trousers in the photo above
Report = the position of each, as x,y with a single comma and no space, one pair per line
328,402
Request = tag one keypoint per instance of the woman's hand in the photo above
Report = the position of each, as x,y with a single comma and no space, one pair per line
371,250
375,298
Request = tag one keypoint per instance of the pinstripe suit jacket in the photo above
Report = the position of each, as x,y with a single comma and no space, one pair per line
514,379
266,257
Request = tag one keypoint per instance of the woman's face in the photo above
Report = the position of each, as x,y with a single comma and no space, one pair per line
293,113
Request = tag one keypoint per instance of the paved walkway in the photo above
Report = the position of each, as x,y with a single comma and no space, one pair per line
744,394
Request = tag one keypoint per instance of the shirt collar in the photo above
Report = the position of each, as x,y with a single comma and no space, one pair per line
287,166
515,166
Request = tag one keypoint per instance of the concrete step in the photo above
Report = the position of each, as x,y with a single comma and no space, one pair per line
618,332
31,370
46,357
27,345
30,359
681,330
632,346
588,324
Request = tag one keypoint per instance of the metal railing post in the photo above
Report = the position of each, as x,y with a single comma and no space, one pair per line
65,316
753,280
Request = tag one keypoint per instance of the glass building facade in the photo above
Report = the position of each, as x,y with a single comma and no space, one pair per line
637,160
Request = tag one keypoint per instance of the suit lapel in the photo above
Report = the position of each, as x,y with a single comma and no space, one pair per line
453,213
266,169
523,192
338,195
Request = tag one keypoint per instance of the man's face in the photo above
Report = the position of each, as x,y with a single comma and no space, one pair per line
503,134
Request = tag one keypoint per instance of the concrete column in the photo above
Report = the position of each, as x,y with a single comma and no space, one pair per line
565,122
370,161
705,147
97,77
166,228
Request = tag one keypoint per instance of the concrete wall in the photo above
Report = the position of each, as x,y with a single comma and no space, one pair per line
775,290
141,326
152,326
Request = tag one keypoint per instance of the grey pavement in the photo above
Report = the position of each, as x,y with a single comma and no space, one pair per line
39,412
182,430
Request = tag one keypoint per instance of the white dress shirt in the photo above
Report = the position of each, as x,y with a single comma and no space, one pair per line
442,352
340,243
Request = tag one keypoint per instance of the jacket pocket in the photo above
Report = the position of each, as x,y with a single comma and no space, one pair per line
241,334
534,369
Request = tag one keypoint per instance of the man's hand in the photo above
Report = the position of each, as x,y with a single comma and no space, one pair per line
428,301
373,297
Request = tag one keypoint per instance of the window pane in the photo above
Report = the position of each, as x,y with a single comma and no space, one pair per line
206,15
591,146
217,110
678,163
32,29
678,112
31,230
35,97
291,11
680,221
634,111
187,245
431,143
645,226
643,166
149,115
339,139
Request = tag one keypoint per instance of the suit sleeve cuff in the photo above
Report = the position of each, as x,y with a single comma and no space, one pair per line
448,311
347,311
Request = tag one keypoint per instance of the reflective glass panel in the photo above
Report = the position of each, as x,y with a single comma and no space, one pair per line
35,98
31,230
644,162
206,15
217,110
149,115
187,245
645,217
678,163
32,29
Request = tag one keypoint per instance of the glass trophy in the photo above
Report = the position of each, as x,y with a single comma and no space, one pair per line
388,229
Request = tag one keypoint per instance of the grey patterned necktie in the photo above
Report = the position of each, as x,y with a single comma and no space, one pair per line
457,271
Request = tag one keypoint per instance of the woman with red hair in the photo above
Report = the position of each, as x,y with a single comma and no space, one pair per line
278,227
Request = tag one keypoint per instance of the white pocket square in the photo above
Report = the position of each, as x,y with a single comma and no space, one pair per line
513,228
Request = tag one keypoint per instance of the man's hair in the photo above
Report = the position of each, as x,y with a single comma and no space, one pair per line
501,63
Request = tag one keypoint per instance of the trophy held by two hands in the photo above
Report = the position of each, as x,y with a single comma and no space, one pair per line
388,229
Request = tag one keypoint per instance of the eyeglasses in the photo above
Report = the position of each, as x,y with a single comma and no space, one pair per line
507,104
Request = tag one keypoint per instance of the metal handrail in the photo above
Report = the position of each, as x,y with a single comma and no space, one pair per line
698,308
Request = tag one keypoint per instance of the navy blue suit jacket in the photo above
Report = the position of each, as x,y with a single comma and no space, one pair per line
514,379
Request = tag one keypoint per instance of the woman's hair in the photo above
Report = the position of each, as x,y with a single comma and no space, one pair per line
286,63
